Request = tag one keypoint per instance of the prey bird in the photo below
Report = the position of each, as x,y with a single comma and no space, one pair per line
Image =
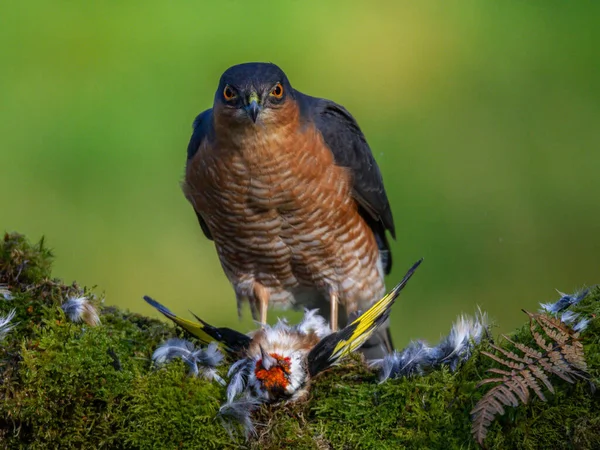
276,363
287,187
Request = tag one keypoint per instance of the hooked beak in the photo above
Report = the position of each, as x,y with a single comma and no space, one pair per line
267,360
253,108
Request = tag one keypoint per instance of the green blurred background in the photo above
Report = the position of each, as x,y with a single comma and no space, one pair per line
484,117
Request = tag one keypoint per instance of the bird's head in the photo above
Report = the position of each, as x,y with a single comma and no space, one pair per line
253,93
273,372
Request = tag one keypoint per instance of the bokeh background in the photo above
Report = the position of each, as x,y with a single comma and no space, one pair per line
484,117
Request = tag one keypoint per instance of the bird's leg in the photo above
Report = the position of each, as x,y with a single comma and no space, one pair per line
253,308
261,296
333,319
240,301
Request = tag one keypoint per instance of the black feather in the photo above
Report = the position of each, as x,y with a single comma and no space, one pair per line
234,340
204,227
203,128
318,358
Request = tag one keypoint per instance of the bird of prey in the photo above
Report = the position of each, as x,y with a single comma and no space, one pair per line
276,363
286,186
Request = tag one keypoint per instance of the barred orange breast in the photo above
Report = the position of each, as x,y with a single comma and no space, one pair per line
281,213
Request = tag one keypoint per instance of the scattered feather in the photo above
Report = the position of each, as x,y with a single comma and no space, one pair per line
560,310
568,317
315,323
238,374
5,292
79,309
410,361
240,412
564,302
417,358
211,356
202,362
465,334
581,325
174,348
5,325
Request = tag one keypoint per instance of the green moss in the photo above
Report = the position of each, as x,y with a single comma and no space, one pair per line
169,409
65,385
23,263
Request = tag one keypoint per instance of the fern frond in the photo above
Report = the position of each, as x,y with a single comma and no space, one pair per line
560,353
489,380
519,387
528,351
539,339
500,371
552,327
511,355
531,382
541,375
510,364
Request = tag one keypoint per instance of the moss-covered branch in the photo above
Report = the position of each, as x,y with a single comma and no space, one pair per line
67,385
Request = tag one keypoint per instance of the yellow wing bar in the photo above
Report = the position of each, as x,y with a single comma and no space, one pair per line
333,347
365,325
230,340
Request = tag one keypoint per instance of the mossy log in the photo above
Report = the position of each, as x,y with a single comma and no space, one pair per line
68,385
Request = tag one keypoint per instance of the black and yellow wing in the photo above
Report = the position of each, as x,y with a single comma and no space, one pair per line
337,345
230,340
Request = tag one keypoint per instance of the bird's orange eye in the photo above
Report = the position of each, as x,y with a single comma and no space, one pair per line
277,91
228,93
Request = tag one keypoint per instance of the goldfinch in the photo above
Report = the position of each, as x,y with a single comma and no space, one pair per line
276,363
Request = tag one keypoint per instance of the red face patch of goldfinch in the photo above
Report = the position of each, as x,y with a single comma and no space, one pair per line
276,376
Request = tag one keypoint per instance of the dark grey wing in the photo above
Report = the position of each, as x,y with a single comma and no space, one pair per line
350,149
204,227
203,129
